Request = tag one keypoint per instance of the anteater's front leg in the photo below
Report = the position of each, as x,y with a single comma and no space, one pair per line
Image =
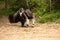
33,22
27,22
22,23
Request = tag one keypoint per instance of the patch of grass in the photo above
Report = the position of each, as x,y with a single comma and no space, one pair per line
49,17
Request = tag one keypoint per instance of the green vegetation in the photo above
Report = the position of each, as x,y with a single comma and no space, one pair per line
6,12
50,17
44,10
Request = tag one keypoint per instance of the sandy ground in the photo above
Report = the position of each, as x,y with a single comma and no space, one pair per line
46,31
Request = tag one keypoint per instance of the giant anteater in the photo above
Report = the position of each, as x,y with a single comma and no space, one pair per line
22,16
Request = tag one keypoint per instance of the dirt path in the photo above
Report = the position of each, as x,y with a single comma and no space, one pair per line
46,31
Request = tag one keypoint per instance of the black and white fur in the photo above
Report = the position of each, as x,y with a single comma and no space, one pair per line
22,16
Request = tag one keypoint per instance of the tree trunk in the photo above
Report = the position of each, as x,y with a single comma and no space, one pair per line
6,4
50,5
27,3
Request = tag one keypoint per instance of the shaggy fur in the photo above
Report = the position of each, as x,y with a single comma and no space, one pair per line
21,16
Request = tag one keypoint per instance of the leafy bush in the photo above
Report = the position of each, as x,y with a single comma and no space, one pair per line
50,17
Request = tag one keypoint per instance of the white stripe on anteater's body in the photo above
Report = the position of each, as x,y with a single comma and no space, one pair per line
21,13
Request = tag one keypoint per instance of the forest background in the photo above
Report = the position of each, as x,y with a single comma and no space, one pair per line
44,10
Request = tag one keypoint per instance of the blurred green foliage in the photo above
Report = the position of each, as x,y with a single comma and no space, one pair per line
40,8
50,17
